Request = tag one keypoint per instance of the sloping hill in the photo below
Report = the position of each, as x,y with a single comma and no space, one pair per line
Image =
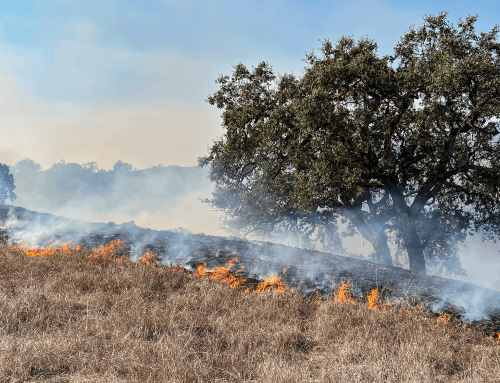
306,270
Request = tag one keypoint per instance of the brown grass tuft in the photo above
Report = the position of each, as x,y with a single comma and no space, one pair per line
70,318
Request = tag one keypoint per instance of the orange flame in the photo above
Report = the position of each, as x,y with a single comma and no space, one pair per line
274,283
222,274
108,251
343,294
374,300
148,258
43,252
445,318
318,298
492,336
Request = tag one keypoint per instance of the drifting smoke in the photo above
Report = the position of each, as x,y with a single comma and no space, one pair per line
306,270
164,198
159,197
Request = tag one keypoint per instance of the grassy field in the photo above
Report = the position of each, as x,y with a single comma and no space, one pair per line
81,316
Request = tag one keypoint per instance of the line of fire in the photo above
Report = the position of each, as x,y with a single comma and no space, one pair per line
115,250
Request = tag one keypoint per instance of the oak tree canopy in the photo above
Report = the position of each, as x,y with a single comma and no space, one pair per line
404,143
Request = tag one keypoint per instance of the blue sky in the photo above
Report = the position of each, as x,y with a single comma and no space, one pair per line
82,53
135,74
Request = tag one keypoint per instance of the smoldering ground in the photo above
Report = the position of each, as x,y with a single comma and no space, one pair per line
304,270
151,197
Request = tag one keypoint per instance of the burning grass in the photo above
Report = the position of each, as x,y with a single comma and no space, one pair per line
71,314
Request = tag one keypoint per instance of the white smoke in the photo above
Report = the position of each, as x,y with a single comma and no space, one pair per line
171,196
160,197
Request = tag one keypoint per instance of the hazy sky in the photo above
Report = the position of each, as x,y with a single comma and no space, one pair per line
122,80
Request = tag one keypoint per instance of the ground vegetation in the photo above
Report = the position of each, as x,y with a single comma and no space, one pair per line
71,315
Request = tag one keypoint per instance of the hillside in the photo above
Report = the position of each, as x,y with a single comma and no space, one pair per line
306,270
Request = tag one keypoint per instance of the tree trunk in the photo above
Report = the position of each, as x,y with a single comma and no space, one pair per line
373,232
417,260
413,245
378,239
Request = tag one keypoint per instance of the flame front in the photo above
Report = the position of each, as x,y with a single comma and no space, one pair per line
445,317
343,294
223,274
374,300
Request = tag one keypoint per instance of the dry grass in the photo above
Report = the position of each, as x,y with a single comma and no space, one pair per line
66,318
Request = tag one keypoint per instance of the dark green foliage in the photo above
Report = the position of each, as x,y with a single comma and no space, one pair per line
405,143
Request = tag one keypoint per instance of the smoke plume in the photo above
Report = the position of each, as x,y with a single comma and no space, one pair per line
166,198
159,197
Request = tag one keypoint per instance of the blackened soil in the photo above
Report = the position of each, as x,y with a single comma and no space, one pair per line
311,273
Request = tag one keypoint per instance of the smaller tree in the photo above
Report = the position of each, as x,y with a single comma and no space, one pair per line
7,185
121,166
26,165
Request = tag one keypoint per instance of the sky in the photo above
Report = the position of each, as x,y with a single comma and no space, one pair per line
108,80
122,80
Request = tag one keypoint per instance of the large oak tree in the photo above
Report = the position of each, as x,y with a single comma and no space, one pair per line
405,143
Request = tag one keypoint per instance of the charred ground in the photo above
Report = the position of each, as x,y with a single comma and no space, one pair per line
311,274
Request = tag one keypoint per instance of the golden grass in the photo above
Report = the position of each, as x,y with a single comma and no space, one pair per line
67,318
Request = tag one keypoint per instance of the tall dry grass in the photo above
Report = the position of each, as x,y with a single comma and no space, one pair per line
67,318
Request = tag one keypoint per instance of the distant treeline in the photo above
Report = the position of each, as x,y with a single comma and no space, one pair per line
107,189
